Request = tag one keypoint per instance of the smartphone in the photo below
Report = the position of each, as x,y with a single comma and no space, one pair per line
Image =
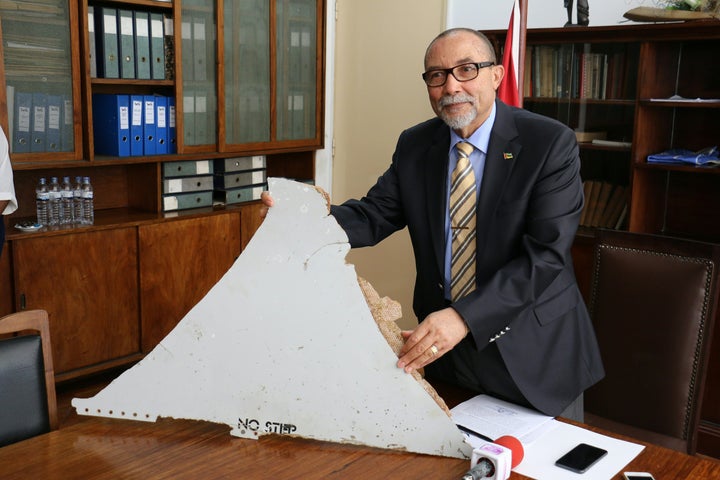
637,476
580,458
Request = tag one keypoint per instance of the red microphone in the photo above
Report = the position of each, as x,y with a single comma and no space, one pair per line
495,461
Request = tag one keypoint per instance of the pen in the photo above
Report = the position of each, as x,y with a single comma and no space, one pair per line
473,432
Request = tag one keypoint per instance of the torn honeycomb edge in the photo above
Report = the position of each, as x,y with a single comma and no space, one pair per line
386,312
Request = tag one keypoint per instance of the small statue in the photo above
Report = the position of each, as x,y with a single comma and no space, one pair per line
583,13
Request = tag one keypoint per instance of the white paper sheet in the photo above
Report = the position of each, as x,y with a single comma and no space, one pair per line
544,439
540,455
494,418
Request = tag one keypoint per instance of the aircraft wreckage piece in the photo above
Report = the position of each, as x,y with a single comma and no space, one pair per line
286,343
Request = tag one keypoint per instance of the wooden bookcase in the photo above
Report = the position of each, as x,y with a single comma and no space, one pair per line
254,69
635,112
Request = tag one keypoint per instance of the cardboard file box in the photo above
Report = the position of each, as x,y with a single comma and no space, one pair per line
184,201
198,183
239,164
186,168
239,195
240,179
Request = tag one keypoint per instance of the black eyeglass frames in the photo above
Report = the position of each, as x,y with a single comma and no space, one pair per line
462,73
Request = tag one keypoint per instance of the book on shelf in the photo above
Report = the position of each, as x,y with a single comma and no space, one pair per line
601,204
610,143
589,136
604,203
591,202
587,191
615,205
622,219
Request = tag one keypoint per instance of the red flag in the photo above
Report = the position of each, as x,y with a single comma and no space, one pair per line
508,89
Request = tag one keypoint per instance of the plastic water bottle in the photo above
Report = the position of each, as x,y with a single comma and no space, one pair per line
78,216
66,195
87,197
54,202
42,198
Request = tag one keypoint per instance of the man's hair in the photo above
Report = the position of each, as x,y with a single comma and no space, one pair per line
454,31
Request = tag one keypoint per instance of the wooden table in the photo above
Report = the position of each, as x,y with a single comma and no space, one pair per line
102,448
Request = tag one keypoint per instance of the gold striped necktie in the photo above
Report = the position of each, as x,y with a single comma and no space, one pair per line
462,222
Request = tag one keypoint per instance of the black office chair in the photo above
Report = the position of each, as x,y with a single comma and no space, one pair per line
28,405
653,305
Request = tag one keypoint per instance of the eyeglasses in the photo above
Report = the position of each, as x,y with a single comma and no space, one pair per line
462,73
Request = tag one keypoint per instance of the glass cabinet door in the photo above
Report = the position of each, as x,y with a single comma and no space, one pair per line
37,46
296,43
247,71
199,85
270,62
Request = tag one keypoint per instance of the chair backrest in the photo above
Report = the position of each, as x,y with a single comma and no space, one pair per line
28,405
653,305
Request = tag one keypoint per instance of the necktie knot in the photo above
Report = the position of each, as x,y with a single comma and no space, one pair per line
464,149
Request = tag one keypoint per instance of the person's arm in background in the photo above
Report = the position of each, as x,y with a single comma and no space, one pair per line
8,202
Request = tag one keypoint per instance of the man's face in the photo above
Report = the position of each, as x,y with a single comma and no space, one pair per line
464,106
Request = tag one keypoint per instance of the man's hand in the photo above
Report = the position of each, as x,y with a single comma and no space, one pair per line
434,337
267,201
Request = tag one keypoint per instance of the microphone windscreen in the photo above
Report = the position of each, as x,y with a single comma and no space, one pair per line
512,443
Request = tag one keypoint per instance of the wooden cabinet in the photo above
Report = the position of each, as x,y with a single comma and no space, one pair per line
180,261
667,97
88,283
246,79
113,292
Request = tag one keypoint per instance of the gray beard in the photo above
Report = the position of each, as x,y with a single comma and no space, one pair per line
459,122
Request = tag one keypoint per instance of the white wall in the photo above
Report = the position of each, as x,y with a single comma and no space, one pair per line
379,51
495,14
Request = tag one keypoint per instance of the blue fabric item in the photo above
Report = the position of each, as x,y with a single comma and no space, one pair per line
678,156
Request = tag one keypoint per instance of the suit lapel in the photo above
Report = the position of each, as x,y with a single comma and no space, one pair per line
436,187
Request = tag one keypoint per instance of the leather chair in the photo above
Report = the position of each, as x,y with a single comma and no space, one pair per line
28,405
653,303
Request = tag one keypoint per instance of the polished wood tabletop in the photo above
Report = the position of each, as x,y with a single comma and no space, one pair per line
102,448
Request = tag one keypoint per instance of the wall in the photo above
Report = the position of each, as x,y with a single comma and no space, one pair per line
379,49
495,14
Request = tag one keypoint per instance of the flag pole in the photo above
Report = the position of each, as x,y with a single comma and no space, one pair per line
523,4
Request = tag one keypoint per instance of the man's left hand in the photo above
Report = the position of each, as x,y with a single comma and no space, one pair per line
433,337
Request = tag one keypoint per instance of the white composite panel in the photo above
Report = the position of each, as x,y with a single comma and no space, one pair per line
285,343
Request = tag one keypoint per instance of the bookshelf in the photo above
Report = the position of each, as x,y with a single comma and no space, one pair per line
246,81
635,113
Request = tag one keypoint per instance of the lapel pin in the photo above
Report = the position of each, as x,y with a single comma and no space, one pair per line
507,156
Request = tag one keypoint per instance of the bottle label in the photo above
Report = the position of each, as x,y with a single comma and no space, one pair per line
87,194
43,196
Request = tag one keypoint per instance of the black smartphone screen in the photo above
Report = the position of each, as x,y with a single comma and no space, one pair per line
581,457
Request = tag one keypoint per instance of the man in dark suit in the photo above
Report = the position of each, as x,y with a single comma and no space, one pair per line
523,334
